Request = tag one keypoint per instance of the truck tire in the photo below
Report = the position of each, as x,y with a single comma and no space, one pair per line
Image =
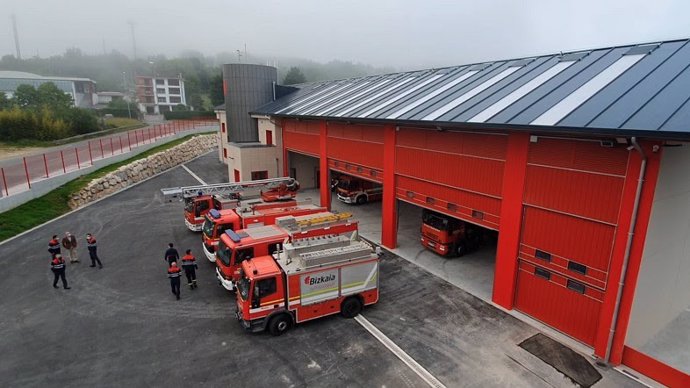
351,307
361,200
459,249
279,324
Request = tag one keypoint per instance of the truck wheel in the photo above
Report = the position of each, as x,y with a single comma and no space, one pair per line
361,200
351,307
459,249
279,324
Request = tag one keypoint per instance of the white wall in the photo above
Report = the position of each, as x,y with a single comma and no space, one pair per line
306,167
663,287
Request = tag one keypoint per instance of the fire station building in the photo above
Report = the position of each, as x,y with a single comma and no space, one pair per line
580,161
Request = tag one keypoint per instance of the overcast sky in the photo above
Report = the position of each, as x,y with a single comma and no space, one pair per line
403,33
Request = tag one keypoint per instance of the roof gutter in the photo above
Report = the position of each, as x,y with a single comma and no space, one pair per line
626,257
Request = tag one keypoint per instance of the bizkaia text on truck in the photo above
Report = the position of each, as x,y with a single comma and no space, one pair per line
216,222
449,236
235,247
310,278
199,200
355,190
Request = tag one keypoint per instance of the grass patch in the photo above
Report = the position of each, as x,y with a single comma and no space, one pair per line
54,204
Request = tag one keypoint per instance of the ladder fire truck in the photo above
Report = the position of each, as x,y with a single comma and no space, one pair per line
237,246
308,279
199,200
216,222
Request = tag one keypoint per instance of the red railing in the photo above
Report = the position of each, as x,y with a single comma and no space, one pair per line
18,176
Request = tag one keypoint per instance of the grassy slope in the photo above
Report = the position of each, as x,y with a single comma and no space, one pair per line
54,204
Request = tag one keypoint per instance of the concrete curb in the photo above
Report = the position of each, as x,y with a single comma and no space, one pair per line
98,200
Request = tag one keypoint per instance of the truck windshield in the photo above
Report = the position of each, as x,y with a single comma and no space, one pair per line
348,185
435,221
208,227
224,253
189,205
243,287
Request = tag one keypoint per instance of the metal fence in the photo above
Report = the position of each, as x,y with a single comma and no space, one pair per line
19,175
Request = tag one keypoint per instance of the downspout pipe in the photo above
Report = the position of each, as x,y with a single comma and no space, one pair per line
626,257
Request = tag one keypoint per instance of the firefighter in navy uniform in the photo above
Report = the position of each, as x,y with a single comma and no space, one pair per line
171,255
174,275
189,266
57,265
92,247
54,246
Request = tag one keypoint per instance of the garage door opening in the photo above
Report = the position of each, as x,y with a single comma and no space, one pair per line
362,198
305,169
461,252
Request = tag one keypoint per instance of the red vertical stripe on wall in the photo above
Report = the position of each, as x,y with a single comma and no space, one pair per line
325,188
636,250
389,217
511,217
621,238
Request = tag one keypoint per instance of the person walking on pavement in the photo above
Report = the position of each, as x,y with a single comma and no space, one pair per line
91,246
57,265
174,275
69,242
54,246
189,266
171,255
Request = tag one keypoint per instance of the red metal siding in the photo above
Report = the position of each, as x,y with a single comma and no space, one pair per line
358,152
577,239
552,303
481,145
371,174
466,172
579,155
437,197
585,194
301,136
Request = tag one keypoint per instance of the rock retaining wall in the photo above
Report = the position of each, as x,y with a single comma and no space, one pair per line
141,169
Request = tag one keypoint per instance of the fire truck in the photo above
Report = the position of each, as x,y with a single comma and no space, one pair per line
354,190
237,246
308,279
449,236
199,200
257,213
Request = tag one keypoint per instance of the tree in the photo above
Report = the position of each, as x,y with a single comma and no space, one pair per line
26,96
50,96
216,90
5,103
294,76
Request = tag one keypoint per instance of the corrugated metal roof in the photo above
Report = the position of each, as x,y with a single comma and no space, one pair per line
633,89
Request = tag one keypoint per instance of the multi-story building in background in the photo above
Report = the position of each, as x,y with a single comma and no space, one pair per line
159,94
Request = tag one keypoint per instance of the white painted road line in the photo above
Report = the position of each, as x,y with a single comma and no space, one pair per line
395,349
194,175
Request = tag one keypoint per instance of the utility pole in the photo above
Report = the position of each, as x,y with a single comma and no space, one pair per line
239,56
134,42
16,36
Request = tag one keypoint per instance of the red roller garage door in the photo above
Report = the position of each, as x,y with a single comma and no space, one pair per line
571,205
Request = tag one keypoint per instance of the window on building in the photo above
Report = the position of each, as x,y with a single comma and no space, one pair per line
162,100
160,81
542,255
225,153
174,91
576,286
160,90
222,125
577,267
174,82
175,100
237,175
477,214
269,137
256,175
542,273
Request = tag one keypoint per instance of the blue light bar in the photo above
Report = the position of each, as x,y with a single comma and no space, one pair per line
214,213
233,236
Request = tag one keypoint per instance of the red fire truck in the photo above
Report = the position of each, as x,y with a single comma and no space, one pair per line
258,213
199,200
449,236
235,247
308,279
354,190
